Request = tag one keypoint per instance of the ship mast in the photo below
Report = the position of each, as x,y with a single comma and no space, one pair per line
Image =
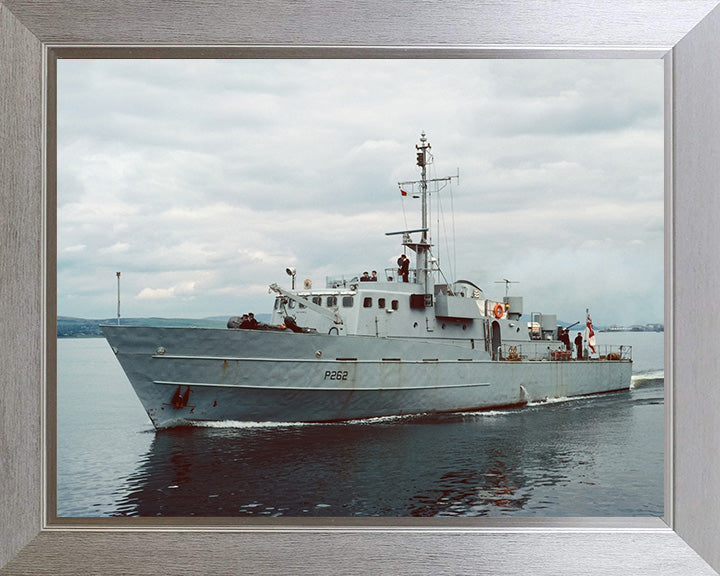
422,248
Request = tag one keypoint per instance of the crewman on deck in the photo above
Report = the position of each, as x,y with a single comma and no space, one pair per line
403,267
565,338
579,345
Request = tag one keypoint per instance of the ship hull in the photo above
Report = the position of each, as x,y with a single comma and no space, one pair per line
184,376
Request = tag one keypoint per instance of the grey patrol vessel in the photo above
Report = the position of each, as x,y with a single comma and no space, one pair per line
408,343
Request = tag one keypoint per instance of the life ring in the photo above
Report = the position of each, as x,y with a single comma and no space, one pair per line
498,311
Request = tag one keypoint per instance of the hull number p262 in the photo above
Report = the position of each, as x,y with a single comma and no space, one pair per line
336,375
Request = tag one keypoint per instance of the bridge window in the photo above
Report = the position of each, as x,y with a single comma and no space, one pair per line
395,304
381,303
367,302
331,301
317,300
347,301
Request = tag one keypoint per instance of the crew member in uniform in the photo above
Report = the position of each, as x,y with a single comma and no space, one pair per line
565,338
403,267
579,345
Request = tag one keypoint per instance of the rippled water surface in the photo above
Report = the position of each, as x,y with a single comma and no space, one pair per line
599,456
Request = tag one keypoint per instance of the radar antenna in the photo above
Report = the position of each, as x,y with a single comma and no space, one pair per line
507,284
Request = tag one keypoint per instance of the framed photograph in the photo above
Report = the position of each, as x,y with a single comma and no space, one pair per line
32,538
207,181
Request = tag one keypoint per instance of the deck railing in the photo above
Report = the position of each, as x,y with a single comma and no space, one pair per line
352,280
543,351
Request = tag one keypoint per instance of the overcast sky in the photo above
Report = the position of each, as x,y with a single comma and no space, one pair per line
202,180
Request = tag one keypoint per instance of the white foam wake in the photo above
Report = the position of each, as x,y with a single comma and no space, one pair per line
643,377
558,400
250,425
246,425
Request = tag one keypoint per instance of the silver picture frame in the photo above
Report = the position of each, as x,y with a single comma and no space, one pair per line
685,33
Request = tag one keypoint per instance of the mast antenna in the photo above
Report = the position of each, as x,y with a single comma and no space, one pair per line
507,284
118,312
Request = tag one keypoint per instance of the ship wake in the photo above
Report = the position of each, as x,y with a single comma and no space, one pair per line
649,378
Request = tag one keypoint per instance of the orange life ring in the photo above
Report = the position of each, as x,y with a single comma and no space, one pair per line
498,311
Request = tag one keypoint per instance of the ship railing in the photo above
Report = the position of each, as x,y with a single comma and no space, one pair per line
341,281
391,275
352,281
528,351
612,352
537,351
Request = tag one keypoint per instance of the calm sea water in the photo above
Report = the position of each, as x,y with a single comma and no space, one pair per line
600,456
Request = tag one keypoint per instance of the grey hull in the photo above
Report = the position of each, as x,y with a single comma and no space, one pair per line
189,375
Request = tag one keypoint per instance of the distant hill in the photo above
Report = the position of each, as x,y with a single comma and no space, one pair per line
68,327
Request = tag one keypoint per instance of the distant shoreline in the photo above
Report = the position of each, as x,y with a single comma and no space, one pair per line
70,327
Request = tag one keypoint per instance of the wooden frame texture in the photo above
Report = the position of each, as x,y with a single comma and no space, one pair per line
686,33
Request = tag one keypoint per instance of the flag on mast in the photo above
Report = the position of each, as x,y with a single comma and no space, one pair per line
590,332
402,192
